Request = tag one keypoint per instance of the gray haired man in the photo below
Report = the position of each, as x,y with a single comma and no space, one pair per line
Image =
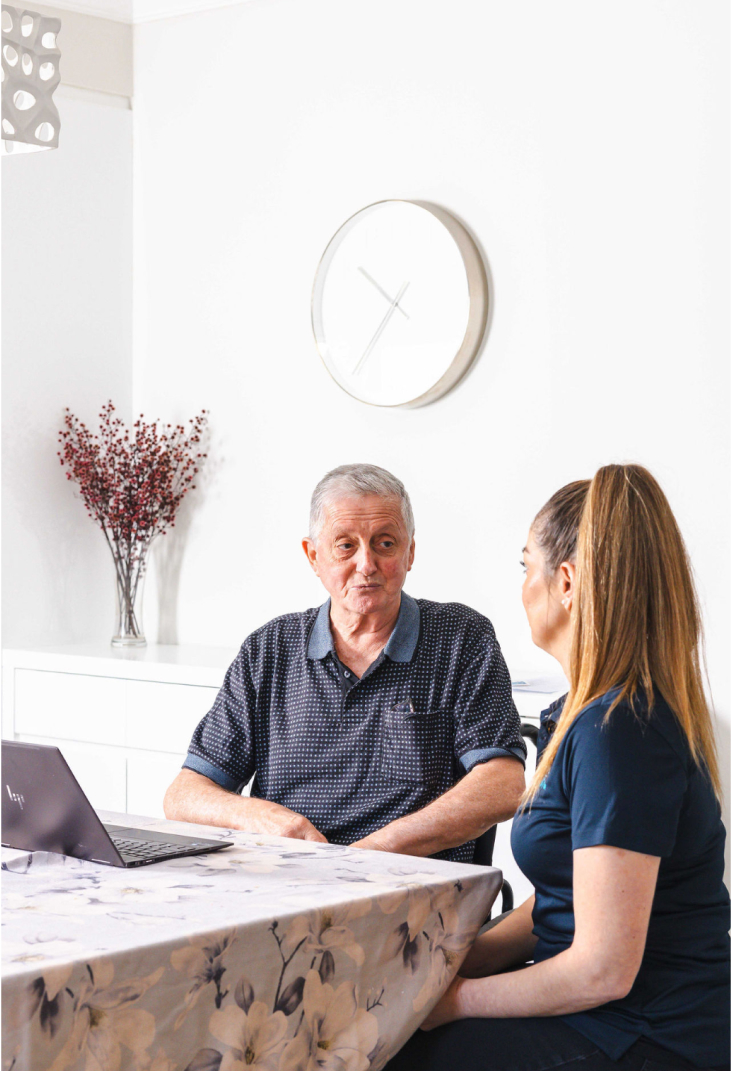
376,719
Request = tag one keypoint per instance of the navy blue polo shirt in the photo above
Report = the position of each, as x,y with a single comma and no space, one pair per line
631,782
351,754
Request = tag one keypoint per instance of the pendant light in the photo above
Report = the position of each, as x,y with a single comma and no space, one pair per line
30,74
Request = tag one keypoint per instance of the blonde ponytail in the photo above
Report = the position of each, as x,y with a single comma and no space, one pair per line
637,625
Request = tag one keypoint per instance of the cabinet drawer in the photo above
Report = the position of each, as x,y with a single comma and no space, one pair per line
162,717
69,706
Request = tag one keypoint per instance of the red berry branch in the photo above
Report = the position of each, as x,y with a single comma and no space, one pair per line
132,482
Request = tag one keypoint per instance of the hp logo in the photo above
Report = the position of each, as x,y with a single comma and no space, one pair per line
16,797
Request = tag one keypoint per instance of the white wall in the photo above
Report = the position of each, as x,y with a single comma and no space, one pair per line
588,153
67,320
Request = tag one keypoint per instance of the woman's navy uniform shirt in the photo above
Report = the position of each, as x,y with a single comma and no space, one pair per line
630,782
354,754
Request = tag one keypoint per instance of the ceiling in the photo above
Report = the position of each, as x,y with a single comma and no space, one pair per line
140,10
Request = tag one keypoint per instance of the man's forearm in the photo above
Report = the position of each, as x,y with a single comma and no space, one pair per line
489,793
195,798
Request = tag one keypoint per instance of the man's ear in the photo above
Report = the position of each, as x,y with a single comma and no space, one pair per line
310,550
412,551
567,584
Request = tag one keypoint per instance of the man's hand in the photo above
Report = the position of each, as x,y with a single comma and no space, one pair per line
374,842
281,822
195,798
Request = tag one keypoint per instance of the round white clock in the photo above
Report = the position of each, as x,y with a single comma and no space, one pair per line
399,304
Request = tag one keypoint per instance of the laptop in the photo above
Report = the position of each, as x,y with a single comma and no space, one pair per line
46,810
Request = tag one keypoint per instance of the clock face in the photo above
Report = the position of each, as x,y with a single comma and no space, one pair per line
399,303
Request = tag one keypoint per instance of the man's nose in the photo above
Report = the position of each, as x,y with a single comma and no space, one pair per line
366,561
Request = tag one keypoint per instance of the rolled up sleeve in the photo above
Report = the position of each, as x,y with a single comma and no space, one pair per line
487,725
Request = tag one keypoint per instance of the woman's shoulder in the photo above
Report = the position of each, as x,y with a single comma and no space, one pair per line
616,720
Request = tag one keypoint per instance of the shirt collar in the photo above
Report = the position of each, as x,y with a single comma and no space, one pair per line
401,643
405,636
321,641
553,713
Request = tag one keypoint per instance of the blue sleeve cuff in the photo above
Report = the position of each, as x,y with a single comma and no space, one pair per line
201,766
657,842
478,755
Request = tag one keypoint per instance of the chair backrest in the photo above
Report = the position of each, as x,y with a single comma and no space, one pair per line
484,847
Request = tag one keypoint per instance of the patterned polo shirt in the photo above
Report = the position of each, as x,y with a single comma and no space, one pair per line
353,754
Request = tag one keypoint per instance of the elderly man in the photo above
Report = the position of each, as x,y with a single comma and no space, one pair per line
376,720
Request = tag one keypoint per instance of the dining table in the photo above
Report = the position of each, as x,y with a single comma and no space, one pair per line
273,954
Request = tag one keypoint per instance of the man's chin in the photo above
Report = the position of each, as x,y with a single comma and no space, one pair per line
367,600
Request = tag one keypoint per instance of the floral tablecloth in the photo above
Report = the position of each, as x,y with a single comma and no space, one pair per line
273,955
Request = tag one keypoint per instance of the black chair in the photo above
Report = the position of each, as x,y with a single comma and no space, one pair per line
485,844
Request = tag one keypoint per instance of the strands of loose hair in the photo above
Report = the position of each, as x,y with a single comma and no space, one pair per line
637,624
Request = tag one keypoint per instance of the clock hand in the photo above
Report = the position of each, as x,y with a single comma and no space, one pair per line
382,291
380,329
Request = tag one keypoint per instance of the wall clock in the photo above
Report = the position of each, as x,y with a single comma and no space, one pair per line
399,303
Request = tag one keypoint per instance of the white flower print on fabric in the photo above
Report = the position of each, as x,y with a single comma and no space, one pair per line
335,1035
105,1021
202,960
255,1037
448,945
326,930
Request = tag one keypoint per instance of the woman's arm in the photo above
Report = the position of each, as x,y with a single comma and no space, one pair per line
613,894
508,944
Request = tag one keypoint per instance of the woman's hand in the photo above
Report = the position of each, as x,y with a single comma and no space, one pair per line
448,1008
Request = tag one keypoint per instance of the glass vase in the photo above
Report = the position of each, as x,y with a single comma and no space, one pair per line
129,570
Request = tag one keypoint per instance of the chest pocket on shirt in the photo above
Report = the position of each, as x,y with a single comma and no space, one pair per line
410,746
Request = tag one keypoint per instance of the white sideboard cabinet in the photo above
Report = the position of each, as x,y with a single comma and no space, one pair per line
123,719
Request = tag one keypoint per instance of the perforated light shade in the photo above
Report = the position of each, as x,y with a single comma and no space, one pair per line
30,74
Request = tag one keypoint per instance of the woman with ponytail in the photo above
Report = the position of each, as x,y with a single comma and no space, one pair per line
620,831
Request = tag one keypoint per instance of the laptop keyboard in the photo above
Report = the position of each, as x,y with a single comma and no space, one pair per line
146,849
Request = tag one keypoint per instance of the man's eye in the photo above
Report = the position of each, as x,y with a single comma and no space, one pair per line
522,565
345,546
387,543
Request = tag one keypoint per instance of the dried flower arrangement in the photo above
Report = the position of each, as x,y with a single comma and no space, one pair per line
132,482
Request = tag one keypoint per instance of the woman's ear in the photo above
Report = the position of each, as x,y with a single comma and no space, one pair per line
567,584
